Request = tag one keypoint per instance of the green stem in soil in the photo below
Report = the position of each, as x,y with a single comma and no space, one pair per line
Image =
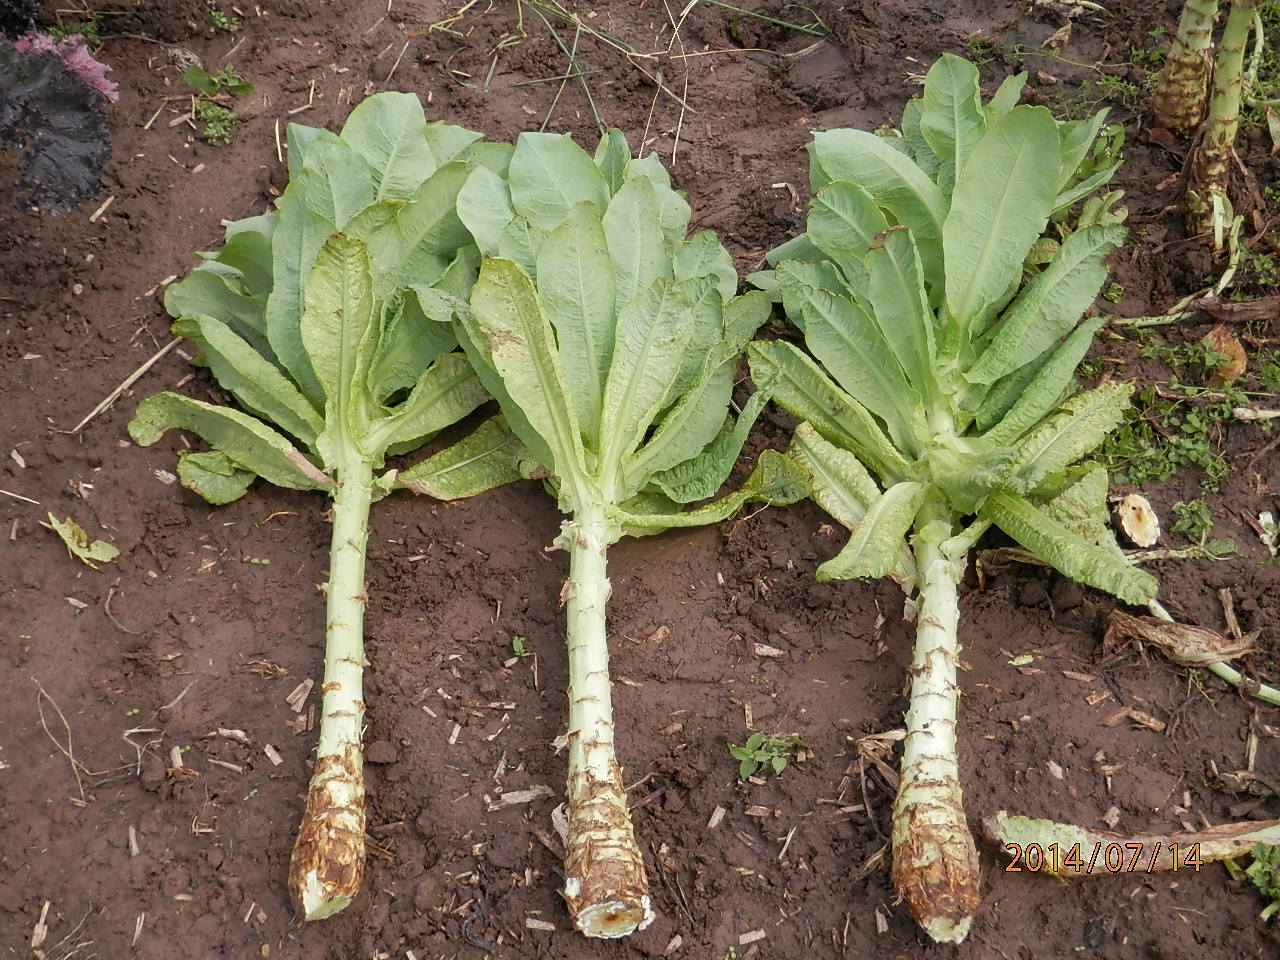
1209,175
1178,102
328,857
1224,670
605,886
935,862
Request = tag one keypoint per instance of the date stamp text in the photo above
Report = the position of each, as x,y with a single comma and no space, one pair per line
1101,857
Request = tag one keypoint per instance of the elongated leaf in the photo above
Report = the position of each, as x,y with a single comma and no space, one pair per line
1075,137
649,347
1060,441
801,387
875,544
338,329
506,312
256,382
797,248
925,158
1082,508
576,287
693,422
673,209
797,279
1000,205
214,476
837,480
486,458
415,329
301,139
1006,98
1085,187
743,316
952,121
852,348
1050,305
895,285
299,235
425,234
995,404
549,175
844,221
704,474
248,251
218,291
446,392
635,239
1068,552
389,131
245,439
892,178
520,243
484,207
775,481
448,142
612,156
495,157
337,181
1045,391
704,256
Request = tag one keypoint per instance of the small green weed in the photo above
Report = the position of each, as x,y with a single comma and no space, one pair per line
1265,874
90,28
982,50
224,21
218,122
520,647
770,752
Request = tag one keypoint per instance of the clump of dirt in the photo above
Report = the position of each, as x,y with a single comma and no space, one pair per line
150,833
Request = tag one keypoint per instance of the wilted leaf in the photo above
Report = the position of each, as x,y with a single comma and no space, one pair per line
1231,358
1184,644
77,541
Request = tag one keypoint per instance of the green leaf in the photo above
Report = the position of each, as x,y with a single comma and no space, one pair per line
446,392
703,256
339,331
299,235
999,399
1075,137
1046,389
635,239
952,121
215,290
673,209
249,442
520,243
1006,98
78,543
337,181
1082,508
1000,205
576,287
487,458
875,544
693,422
448,143
256,382
247,250
844,221
506,312
301,139
1050,305
649,347
199,78
484,206
389,131
1060,441
612,156
1067,552
549,175
214,476
900,306
852,348
415,330
703,475
802,388
424,235
797,248
925,159
892,178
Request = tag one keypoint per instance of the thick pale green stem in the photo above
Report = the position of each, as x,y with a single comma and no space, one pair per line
1209,176
605,886
328,857
1180,94
935,862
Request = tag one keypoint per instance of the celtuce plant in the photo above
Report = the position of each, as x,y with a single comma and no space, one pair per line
943,332
328,319
1209,208
610,342
1178,101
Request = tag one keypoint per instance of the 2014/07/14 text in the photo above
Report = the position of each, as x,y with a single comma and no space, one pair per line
1116,857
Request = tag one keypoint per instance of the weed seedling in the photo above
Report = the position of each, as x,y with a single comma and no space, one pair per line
224,21
764,751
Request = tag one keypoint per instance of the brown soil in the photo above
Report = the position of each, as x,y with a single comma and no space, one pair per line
210,618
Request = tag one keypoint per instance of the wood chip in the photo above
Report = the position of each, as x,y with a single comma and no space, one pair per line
751,937
223,763
671,728
453,734
272,754
1097,697
514,797
133,840
297,699
764,650
716,816
756,810
1054,769
673,945
659,635
1111,817
1082,677
533,924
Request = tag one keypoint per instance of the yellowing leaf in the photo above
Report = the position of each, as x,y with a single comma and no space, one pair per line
77,541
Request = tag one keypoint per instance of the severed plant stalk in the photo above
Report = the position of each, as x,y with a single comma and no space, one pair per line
1208,202
943,333
328,319
611,343
1179,100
